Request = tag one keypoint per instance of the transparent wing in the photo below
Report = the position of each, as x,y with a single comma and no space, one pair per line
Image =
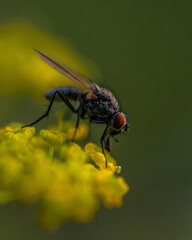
66,71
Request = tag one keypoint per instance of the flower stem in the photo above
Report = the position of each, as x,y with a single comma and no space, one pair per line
50,154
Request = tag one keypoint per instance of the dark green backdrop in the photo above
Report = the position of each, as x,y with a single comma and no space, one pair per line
144,49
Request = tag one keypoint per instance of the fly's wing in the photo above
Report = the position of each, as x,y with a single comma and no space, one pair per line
66,71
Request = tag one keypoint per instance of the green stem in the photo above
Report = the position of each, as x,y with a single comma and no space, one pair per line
50,154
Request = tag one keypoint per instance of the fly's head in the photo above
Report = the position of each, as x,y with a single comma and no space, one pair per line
118,124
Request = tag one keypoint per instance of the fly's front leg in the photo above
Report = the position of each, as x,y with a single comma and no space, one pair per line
101,121
102,139
65,100
108,144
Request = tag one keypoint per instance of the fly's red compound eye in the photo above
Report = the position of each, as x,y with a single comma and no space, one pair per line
119,121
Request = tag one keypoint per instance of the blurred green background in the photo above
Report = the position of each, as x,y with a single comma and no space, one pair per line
144,51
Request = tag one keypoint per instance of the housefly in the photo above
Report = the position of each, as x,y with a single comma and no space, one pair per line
97,104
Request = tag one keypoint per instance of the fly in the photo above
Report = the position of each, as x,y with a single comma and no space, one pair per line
97,104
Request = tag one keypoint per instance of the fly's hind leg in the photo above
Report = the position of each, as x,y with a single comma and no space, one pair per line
65,100
78,111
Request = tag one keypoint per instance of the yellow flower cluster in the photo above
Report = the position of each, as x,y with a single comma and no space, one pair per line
64,181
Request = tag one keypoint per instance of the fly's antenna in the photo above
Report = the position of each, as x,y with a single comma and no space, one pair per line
116,140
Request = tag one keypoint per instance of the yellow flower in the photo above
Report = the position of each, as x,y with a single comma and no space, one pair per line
97,156
72,151
10,170
19,134
111,189
79,134
66,181
52,137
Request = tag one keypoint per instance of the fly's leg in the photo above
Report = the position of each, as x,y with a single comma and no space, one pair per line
78,111
108,144
101,121
65,100
102,139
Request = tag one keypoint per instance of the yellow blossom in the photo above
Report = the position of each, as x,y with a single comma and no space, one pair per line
52,137
20,134
69,129
70,186
79,134
97,156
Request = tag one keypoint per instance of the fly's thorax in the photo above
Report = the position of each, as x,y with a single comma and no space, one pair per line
103,106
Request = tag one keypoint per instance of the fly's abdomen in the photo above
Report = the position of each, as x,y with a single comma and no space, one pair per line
71,93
